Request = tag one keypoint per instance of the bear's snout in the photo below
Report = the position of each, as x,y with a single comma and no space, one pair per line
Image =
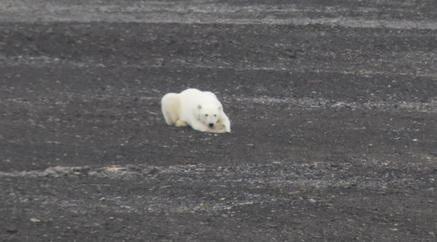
211,125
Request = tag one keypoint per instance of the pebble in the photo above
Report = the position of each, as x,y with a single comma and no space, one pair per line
35,220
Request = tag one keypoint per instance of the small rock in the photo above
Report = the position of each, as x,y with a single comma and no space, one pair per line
11,231
113,168
339,105
35,220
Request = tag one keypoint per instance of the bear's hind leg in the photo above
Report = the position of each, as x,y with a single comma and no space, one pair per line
180,123
170,108
167,118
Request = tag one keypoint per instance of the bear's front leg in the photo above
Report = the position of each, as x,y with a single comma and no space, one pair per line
224,121
223,125
195,124
219,128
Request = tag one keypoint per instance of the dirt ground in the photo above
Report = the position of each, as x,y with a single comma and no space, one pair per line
333,107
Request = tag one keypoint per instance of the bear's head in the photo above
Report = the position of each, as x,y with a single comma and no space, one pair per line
209,114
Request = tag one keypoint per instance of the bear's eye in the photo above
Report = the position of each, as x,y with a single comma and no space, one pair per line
215,115
206,115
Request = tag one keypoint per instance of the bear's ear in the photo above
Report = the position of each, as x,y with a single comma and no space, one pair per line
199,106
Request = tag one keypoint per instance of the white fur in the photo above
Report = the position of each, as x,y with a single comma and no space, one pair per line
195,108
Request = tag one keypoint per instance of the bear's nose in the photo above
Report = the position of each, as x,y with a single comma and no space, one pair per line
211,125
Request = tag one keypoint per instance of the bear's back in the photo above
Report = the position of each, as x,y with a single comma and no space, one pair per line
197,96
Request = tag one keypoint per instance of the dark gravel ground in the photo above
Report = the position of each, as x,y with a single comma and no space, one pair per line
333,109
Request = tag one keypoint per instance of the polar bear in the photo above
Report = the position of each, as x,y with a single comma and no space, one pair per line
200,110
